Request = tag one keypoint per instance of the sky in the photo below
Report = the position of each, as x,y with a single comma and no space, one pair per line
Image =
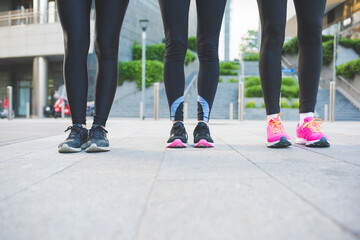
244,17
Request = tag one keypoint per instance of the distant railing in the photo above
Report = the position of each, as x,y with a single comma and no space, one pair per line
29,16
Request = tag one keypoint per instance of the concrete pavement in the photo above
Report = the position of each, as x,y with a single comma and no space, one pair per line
140,190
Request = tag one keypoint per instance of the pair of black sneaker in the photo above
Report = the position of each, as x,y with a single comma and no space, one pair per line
178,136
93,140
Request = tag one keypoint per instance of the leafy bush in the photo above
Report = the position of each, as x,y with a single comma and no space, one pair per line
254,81
295,104
289,81
221,80
233,80
328,51
349,69
192,43
291,46
289,91
251,57
254,91
157,52
250,78
350,43
284,103
131,71
250,104
230,65
190,57
226,72
263,105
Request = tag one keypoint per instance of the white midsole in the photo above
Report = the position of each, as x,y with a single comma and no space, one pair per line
304,142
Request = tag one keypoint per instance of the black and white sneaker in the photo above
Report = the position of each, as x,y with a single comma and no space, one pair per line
98,141
178,136
202,138
76,141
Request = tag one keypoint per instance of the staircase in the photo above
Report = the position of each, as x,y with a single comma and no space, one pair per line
344,109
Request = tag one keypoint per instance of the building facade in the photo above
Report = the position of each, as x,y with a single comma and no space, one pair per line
32,51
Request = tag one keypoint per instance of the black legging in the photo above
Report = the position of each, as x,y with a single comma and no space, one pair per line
273,19
175,18
75,21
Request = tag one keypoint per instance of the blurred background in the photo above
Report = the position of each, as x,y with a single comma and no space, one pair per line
31,59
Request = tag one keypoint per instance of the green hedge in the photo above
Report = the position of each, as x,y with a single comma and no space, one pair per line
157,52
253,91
192,43
291,47
251,57
233,80
227,68
349,69
252,82
250,104
221,80
132,71
289,87
295,104
284,103
189,57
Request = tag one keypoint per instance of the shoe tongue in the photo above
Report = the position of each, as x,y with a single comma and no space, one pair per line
178,124
308,119
202,124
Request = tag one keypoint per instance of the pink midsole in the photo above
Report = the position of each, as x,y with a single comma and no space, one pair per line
204,143
177,143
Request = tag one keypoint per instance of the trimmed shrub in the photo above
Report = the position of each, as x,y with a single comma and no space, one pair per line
192,43
289,91
131,71
226,72
157,52
153,52
190,57
289,81
350,43
221,80
328,51
254,91
251,57
291,46
263,105
249,78
284,103
233,80
296,104
252,82
230,65
250,104
349,69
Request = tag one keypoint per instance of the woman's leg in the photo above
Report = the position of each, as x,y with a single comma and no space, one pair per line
273,20
310,16
175,15
210,15
109,19
74,18
175,19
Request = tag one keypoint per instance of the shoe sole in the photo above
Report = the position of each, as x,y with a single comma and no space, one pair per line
323,142
204,144
66,149
282,143
177,143
95,148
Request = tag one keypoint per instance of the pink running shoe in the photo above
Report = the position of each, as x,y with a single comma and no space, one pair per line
276,136
310,135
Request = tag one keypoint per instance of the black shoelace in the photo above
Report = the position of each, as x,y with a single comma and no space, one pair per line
75,130
98,131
